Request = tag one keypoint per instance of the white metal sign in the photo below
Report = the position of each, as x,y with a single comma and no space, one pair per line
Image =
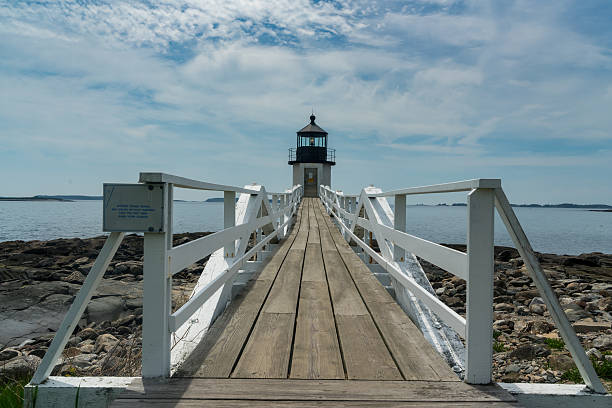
133,208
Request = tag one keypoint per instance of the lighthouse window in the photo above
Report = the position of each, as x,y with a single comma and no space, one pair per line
312,141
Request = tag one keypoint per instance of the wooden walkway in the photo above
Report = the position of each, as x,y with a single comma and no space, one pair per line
315,328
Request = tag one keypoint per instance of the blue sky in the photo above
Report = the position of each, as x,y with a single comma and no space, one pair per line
412,93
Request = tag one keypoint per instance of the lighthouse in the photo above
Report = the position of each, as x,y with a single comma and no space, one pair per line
312,159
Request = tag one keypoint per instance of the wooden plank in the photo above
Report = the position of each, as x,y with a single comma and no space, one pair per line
316,352
268,349
220,348
130,403
216,355
314,271
314,390
365,354
413,354
344,294
284,294
313,235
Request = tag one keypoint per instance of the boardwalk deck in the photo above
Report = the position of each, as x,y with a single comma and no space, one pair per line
315,328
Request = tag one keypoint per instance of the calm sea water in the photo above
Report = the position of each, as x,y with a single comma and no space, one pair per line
552,230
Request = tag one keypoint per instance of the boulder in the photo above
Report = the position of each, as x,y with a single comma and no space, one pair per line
603,342
587,326
560,362
537,306
104,308
105,342
574,312
88,334
21,366
9,353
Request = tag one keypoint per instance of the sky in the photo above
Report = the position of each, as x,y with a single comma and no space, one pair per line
411,92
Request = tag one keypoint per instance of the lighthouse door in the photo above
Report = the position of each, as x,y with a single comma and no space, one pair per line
310,182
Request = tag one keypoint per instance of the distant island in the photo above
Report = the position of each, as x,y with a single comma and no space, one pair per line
564,205
71,198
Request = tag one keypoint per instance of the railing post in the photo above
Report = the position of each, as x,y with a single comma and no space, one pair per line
157,295
229,220
399,223
479,313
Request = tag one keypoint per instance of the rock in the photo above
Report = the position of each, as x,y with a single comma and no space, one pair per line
71,352
87,348
504,307
605,304
522,310
21,366
603,342
538,327
504,325
513,368
537,305
74,277
574,312
560,362
586,261
105,308
587,326
105,342
440,291
506,255
73,341
9,353
529,352
40,352
82,360
593,352
88,334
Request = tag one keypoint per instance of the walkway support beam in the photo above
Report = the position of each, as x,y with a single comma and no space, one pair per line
157,299
479,301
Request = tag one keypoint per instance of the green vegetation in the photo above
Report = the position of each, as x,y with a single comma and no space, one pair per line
498,347
603,368
496,334
11,392
555,344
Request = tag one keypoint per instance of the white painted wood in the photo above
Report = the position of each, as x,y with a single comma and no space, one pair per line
465,185
78,307
186,254
445,313
157,302
446,258
229,220
181,316
183,182
552,303
93,392
399,224
556,395
479,302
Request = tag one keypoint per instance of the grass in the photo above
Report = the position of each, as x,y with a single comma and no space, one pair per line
11,392
603,368
498,347
496,334
555,344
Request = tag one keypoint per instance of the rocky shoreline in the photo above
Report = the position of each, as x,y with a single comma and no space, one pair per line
39,279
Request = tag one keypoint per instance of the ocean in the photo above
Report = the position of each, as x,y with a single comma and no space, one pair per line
550,230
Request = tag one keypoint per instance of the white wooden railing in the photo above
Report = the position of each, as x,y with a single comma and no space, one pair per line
168,338
476,266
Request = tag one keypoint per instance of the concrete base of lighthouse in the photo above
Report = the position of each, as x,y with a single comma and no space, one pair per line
311,176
